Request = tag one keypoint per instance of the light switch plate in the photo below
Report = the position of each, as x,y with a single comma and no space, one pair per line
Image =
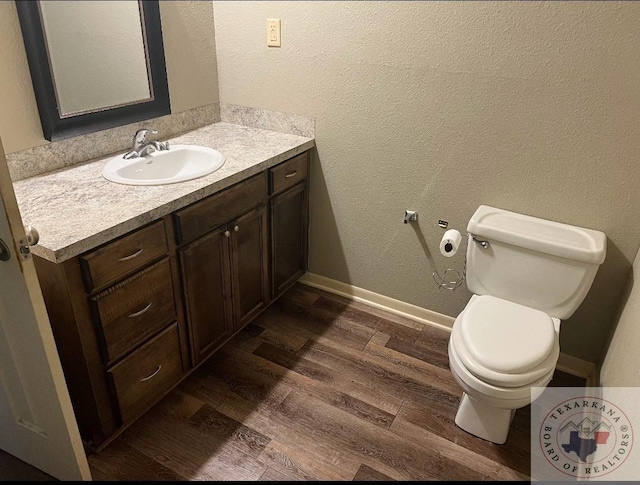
273,32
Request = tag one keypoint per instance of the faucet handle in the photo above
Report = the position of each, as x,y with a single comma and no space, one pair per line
141,134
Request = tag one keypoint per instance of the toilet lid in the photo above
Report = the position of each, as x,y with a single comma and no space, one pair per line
506,337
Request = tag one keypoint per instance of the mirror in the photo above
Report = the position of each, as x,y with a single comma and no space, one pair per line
88,76
94,65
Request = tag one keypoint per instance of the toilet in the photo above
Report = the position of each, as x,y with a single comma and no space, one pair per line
526,275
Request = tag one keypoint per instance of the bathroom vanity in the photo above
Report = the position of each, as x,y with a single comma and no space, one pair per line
135,306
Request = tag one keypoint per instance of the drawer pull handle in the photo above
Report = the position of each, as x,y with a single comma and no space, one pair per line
131,256
144,310
152,375
236,228
227,234
291,174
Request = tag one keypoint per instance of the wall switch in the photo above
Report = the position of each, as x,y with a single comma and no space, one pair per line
273,32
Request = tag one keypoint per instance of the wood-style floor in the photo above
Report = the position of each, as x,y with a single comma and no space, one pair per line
318,387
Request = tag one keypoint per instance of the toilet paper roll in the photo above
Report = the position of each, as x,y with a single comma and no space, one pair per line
450,243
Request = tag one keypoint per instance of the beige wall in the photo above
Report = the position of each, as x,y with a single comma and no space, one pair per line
19,122
440,107
190,53
191,69
620,367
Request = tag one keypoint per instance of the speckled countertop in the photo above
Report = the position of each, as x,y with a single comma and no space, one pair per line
76,209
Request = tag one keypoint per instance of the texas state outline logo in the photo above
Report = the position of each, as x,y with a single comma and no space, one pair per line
586,437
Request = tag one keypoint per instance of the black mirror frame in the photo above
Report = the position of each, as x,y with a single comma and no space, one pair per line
53,126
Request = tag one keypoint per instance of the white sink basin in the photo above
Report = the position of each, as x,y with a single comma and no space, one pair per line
179,163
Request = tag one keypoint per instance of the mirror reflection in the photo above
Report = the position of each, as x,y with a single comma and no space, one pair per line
97,54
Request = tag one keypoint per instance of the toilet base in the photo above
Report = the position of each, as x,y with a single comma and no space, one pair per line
486,422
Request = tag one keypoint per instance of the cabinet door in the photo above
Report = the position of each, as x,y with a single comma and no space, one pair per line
249,265
206,284
289,219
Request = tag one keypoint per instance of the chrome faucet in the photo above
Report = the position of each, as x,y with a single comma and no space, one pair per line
142,147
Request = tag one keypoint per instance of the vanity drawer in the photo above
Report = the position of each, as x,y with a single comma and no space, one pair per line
144,376
134,309
112,261
204,216
289,173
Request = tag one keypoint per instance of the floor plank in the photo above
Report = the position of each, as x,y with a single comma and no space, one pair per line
184,448
430,346
385,448
320,460
351,334
121,462
368,474
219,426
272,475
439,420
458,455
376,408
318,387
259,387
328,309
378,373
309,375
301,464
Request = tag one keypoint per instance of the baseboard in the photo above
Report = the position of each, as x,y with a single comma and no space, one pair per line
377,300
566,363
578,367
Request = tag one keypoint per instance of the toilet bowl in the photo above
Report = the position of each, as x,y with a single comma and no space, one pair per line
526,274
498,352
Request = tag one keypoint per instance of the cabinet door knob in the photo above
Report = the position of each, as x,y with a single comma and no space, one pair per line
227,234
236,228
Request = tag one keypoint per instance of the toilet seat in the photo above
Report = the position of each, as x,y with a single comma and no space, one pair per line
498,396
504,343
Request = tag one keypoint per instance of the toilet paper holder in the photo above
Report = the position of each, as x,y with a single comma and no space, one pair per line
452,279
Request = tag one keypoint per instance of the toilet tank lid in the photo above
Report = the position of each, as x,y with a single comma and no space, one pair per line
555,238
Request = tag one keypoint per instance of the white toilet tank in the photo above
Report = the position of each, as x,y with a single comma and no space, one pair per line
541,264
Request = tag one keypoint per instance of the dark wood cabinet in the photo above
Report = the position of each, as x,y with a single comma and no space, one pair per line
217,210
225,272
106,307
289,214
249,269
131,311
135,316
114,260
147,374
205,272
289,230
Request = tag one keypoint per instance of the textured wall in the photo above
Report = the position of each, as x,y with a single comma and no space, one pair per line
620,368
19,122
191,69
190,51
440,107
